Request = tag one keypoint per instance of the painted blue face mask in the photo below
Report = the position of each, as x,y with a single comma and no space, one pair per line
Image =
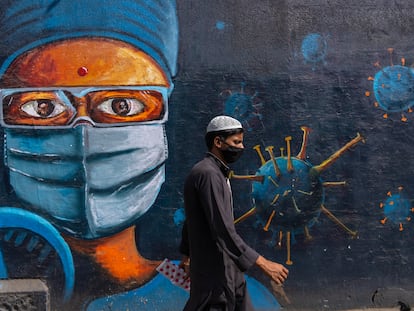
89,181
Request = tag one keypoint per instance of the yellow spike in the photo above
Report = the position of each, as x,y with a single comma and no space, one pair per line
389,193
286,192
412,209
246,215
391,50
302,153
370,78
281,151
308,236
400,188
383,221
304,192
410,110
333,183
289,159
338,222
382,205
402,61
401,227
259,152
367,93
385,115
275,199
408,218
403,118
258,178
325,164
288,260
376,104
273,181
295,205
279,243
269,149
391,203
266,228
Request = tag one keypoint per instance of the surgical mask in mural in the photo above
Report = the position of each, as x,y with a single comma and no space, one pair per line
90,181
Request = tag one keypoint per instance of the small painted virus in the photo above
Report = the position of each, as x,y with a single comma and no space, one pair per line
314,48
179,217
397,209
289,193
243,107
393,88
220,25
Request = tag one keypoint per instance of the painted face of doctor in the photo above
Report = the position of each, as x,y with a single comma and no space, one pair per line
84,133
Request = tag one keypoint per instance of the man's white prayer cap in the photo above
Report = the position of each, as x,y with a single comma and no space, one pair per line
222,123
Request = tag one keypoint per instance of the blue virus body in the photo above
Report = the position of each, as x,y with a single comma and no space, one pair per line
179,217
394,88
397,209
314,48
220,25
239,106
294,198
288,193
244,108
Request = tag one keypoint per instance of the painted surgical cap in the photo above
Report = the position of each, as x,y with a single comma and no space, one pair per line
151,26
223,123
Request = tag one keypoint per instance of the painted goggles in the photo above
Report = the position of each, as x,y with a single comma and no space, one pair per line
66,107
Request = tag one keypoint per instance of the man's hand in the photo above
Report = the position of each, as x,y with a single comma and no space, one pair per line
185,265
274,270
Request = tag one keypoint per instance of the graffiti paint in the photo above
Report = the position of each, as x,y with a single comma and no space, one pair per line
291,193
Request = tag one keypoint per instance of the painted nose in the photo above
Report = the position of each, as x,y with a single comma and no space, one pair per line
82,116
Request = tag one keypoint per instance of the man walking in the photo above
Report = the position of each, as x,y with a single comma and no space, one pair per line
214,254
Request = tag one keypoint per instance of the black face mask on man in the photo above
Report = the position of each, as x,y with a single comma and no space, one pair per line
231,154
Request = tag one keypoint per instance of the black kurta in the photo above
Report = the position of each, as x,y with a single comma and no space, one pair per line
218,254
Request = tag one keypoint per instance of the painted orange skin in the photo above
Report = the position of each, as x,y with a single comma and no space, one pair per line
108,62
94,62
151,103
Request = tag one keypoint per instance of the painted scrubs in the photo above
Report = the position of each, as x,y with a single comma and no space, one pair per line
218,254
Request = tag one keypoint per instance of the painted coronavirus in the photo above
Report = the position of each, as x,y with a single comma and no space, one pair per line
288,192
393,88
314,48
243,107
397,208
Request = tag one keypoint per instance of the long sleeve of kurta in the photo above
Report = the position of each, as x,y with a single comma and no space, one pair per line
215,198
218,255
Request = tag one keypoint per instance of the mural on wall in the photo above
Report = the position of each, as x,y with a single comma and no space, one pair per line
91,189
313,49
84,107
84,103
244,107
397,208
392,88
290,195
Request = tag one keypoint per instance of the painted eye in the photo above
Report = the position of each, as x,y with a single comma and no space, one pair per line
43,108
122,106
